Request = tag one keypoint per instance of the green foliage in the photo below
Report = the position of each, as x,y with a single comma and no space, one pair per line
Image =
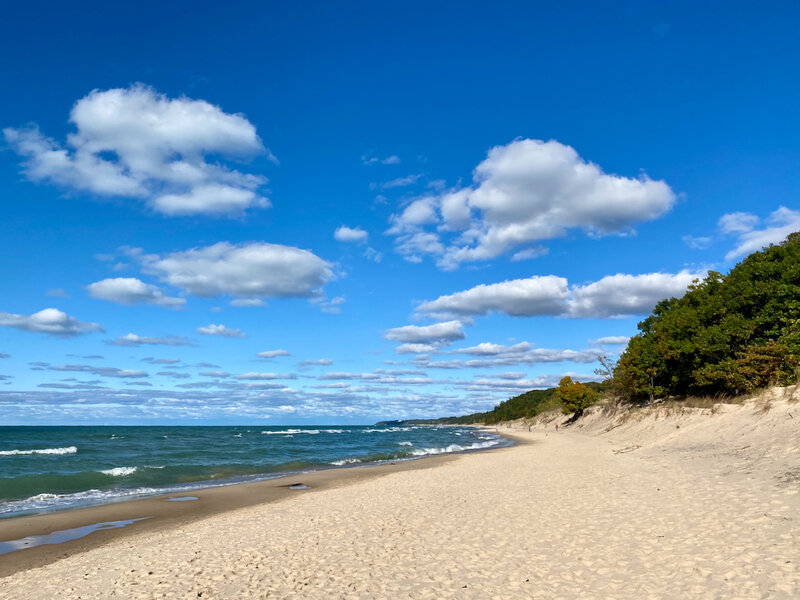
575,397
728,335
524,406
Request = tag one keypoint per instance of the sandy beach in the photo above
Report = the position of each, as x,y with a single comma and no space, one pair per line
665,503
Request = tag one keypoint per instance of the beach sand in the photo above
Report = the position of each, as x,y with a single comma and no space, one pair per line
669,504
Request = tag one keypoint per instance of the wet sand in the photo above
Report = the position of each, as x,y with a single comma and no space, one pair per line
158,512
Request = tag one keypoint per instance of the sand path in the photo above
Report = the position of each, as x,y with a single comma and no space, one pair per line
564,517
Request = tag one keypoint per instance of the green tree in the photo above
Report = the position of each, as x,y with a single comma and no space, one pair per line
728,334
575,397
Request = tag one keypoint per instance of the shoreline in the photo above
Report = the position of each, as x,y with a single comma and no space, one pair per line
156,512
669,502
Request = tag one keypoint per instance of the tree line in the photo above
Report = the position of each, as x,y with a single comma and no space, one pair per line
728,335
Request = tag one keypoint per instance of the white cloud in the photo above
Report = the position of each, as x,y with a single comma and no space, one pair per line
264,376
611,296
373,255
273,353
779,225
399,182
696,243
57,293
256,270
413,246
174,374
515,386
529,253
324,362
374,160
249,302
738,222
135,143
49,320
438,333
132,339
212,198
222,374
532,190
221,330
611,340
507,356
623,294
490,349
102,371
129,291
350,234
546,295
332,306
416,348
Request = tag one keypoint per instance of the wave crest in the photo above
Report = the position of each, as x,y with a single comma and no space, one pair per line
67,450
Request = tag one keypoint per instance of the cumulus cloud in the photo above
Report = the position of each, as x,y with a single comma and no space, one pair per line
525,192
623,294
273,353
350,234
245,271
135,143
533,296
130,291
436,334
132,339
221,330
51,321
612,296
750,238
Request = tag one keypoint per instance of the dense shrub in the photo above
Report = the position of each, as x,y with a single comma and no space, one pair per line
730,334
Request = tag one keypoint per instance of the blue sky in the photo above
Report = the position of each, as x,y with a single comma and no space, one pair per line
345,212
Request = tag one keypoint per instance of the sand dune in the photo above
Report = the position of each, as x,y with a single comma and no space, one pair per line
660,504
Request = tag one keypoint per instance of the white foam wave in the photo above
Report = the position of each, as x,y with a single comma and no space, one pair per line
46,502
308,431
386,430
67,450
290,431
120,471
455,448
345,461
404,444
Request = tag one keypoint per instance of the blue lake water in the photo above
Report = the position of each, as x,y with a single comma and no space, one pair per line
54,468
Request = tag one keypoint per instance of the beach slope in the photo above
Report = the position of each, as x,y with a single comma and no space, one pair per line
659,506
